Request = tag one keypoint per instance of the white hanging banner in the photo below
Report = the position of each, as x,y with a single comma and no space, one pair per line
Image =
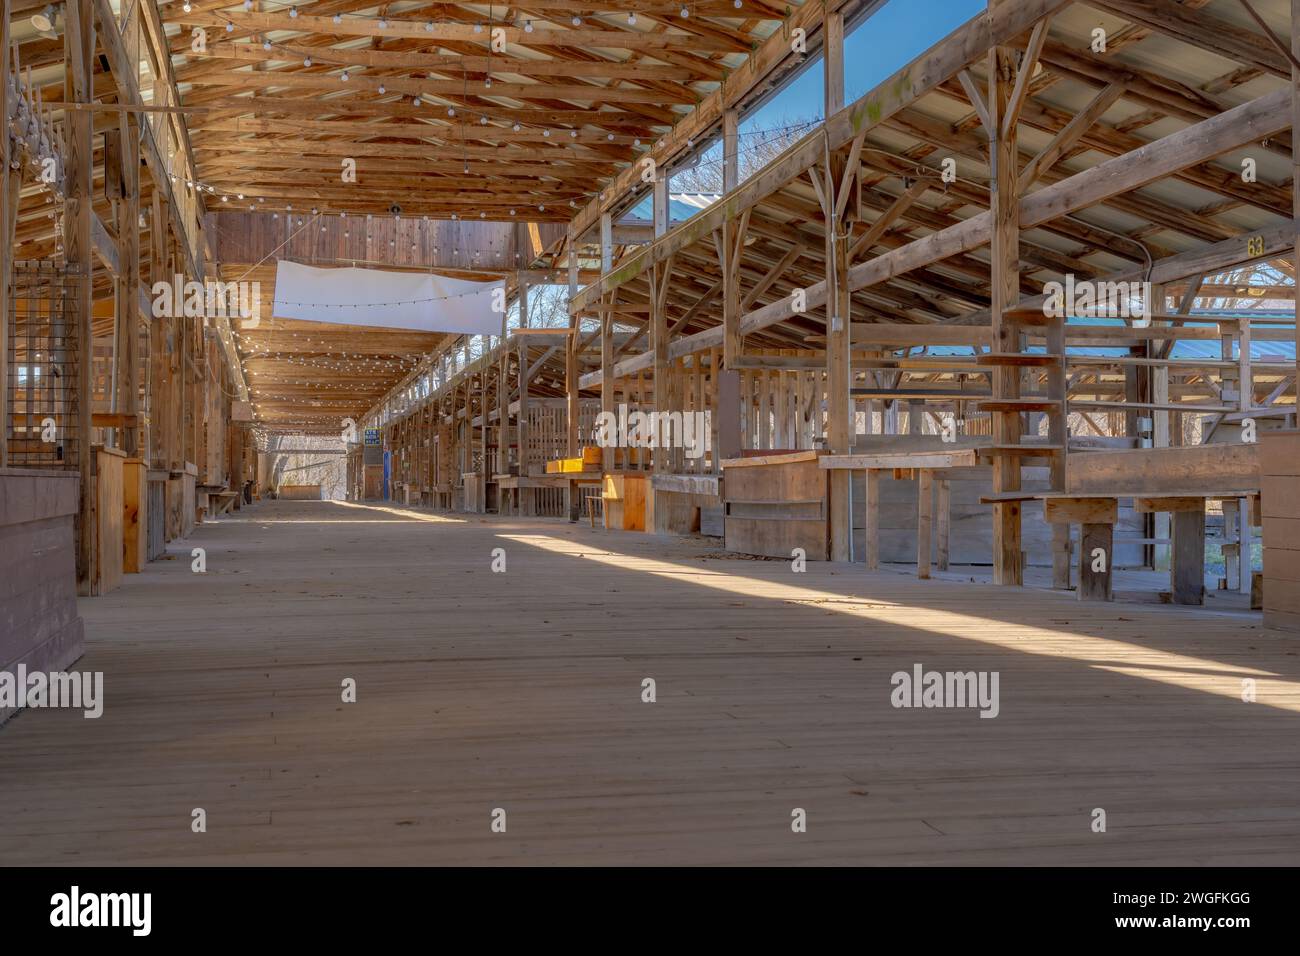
390,300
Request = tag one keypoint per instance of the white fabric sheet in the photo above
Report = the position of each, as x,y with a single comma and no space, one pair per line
391,300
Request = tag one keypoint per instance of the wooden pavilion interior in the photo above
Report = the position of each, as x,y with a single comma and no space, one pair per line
1016,320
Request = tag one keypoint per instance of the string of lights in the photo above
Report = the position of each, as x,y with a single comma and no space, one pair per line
685,12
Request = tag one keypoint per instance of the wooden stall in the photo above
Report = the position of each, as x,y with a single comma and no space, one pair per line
775,503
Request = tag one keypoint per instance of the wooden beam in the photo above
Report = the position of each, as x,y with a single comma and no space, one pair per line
78,86
1005,287
889,97
9,201
1203,31
1295,159
1024,75
1070,134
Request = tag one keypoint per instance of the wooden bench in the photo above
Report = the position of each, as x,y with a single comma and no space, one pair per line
1096,512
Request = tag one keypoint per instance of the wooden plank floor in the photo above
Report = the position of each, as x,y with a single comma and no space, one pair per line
522,690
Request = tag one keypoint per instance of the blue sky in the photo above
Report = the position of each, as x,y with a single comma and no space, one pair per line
879,46
875,49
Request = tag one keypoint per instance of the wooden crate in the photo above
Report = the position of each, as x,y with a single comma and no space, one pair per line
1280,508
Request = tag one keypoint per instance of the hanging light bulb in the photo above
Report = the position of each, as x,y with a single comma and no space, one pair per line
487,82
610,137
478,28
306,61
293,11
577,21
337,19
451,111
383,24
515,127
230,26
416,101
684,12
248,4
528,26
428,26
344,76
631,19
482,120
266,45
546,132
382,89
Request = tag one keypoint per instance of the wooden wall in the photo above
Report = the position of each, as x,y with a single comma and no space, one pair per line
1280,504
39,624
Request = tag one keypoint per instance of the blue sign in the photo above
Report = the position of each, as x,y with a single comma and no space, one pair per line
372,436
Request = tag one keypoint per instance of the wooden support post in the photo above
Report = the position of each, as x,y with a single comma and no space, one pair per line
8,213
79,48
1005,286
659,345
872,515
1058,434
1160,433
503,412
730,150
527,496
1295,154
839,415
572,496
127,286
484,465
607,379
944,507
1231,542
924,521
1245,543
1096,561
660,203
1188,572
